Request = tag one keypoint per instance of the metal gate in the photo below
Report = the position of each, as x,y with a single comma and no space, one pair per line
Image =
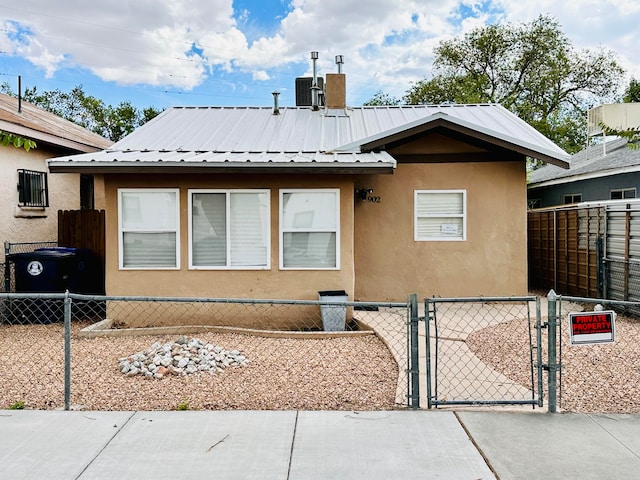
483,351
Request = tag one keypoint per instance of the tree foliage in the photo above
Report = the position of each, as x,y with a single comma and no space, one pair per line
112,122
381,99
632,93
17,141
531,69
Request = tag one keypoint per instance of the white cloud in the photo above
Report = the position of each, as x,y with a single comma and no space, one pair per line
387,45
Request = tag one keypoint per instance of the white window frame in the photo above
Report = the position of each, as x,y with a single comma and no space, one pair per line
282,230
622,191
228,193
122,231
441,238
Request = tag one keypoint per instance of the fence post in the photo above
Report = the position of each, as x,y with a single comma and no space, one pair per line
67,351
414,356
7,268
552,356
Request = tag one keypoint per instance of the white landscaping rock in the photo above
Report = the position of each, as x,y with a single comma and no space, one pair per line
184,356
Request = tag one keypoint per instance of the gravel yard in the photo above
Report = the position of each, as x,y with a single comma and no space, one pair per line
346,373
594,378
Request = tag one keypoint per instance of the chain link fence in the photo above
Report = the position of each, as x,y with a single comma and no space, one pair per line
200,353
599,377
482,351
7,269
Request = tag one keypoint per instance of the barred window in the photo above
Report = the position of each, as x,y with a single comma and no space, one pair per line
33,189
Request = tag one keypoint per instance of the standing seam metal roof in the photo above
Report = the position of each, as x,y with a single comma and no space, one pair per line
256,130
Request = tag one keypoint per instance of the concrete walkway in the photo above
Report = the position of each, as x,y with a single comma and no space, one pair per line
290,445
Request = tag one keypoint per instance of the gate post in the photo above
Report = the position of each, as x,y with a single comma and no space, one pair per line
67,351
414,356
552,365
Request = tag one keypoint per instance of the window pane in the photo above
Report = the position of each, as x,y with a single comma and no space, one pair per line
149,250
249,232
445,203
309,211
440,228
209,229
309,250
631,193
148,210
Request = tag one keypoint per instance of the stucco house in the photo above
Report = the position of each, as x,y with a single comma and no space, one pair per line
601,172
29,196
273,202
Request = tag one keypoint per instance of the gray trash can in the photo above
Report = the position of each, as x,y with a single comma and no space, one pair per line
334,317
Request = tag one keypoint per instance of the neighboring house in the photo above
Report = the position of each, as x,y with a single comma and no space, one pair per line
285,202
29,196
607,171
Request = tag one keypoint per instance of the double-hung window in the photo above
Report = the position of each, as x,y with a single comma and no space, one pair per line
309,229
148,222
440,215
229,229
33,190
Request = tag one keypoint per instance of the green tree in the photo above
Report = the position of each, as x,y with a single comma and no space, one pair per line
381,98
632,93
531,69
112,122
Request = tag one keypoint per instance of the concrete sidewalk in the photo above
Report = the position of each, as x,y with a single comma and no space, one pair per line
290,445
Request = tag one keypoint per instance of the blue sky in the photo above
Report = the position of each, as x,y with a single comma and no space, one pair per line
224,52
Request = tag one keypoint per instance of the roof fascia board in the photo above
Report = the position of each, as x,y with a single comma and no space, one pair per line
441,119
45,137
184,167
586,176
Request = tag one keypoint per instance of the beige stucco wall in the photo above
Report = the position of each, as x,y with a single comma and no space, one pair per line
32,224
493,259
271,283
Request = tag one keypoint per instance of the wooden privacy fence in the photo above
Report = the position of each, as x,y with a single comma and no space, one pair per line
586,250
565,249
83,229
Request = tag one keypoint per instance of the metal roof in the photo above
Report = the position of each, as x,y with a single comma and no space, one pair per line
227,136
42,126
610,158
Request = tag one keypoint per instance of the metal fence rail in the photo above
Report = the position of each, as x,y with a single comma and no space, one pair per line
483,351
64,350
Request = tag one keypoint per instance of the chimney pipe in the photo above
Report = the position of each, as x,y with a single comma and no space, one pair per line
276,109
19,93
339,62
314,85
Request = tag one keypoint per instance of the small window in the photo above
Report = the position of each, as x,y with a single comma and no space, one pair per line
33,189
229,229
573,198
309,229
622,193
148,221
440,215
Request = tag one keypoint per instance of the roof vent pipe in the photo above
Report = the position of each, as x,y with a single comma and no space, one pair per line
314,85
339,62
276,109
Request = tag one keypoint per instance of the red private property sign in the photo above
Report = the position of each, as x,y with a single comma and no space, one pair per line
592,327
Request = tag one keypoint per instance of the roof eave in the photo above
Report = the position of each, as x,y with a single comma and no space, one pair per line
227,167
39,136
442,120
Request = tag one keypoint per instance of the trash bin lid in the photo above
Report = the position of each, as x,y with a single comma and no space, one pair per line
332,293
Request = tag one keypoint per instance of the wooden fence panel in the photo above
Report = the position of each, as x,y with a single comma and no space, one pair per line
563,250
83,229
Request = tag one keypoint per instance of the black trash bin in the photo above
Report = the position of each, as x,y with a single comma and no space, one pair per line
334,317
52,270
